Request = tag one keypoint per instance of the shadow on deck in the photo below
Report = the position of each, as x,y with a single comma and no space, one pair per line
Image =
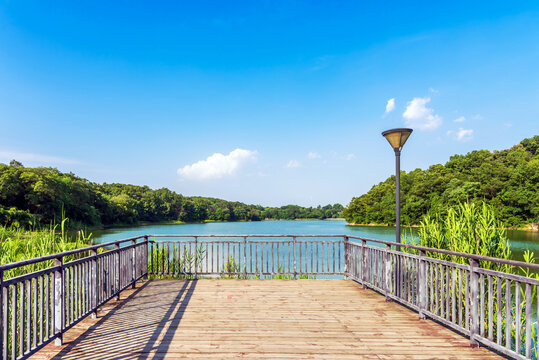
287,319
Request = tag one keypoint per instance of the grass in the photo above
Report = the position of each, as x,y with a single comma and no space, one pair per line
17,244
472,229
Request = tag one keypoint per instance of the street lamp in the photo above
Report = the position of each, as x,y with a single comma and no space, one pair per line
397,138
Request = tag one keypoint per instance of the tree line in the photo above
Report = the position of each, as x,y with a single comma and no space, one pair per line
40,196
508,180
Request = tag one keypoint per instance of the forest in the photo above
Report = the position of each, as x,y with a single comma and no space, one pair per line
508,180
42,196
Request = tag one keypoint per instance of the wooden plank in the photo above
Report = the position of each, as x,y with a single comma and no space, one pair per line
259,319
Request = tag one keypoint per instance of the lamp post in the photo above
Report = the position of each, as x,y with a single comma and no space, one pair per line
397,138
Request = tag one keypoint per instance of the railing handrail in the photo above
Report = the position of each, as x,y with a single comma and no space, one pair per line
248,235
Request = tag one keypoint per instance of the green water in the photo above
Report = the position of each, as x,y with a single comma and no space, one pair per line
520,240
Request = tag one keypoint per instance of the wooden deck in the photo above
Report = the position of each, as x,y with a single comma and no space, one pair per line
258,319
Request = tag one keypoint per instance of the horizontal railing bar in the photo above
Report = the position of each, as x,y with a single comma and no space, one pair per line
109,252
450,264
500,348
447,323
522,279
241,273
35,274
248,241
246,235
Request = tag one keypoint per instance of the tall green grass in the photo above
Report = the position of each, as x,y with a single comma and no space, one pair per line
17,244
475,229
467,228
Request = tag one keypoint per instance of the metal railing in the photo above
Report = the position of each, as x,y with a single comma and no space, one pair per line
495,308
39,307
492,307
247,255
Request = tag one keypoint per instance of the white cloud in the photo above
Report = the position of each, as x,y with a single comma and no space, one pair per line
419,116
218,165
292,164
350,157
390,106
462,134
35,158
434,91
459,119
477,117
313,155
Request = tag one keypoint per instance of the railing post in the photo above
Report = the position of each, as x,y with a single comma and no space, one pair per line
59,306
364,263
196,257
3,352
148,254
295,269
388,268
133,264
93,283
474,302
346,258
4,292
118,271
422,289
245,256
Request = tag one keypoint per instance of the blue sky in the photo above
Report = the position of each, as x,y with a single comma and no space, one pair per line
267,102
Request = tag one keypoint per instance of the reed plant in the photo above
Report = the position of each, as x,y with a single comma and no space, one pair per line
475,229
18,244
178,261
466,228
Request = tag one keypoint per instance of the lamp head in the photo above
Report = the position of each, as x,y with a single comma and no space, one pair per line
397,137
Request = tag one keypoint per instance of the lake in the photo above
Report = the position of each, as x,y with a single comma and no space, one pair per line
520,239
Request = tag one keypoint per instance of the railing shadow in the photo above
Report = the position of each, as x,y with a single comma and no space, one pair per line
187,288
135,328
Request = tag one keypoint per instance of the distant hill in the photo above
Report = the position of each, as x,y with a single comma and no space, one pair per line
507,179
40,196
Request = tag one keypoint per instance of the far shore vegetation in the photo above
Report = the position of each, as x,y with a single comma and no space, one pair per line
507,180
36,197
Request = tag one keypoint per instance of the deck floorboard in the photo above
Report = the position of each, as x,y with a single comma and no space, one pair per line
258,319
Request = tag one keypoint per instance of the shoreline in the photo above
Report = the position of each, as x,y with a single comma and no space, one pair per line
534,227
531,227
178,222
